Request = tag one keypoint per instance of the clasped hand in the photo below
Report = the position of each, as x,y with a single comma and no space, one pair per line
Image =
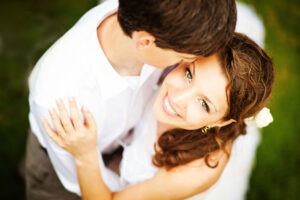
73,134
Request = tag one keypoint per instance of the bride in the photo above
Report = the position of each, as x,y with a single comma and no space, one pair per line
182,147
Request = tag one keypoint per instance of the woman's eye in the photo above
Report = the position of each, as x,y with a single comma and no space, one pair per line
204,105
188,74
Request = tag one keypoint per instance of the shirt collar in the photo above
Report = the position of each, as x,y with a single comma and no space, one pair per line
108,80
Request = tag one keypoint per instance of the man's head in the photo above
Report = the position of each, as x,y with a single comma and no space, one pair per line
195,27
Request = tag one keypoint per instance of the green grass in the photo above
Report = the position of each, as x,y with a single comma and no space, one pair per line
276,175
28,28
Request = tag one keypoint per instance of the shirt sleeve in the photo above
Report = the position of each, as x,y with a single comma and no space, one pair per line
42,98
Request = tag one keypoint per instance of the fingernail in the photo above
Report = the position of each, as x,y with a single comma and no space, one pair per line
58,102
70,99
85,108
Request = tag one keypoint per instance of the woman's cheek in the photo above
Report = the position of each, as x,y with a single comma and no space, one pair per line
176,79
196,117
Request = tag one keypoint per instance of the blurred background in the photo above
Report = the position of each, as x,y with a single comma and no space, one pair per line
29,27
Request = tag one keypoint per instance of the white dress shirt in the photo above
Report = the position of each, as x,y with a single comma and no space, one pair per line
76,66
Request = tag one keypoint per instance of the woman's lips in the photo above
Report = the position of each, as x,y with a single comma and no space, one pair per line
167,107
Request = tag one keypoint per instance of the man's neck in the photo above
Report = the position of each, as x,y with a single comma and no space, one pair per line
118,48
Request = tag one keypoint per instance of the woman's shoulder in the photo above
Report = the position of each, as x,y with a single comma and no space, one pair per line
196,176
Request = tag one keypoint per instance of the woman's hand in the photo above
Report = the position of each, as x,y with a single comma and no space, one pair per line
72,133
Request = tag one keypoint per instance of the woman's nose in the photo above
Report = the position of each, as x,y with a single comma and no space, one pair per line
181,99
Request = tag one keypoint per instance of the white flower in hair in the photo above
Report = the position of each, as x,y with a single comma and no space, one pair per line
262,119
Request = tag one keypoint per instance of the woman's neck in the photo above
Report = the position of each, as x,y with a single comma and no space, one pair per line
162,127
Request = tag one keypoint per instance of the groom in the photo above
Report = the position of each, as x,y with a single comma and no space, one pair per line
108,61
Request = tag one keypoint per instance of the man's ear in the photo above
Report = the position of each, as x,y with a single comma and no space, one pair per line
142,39
222,123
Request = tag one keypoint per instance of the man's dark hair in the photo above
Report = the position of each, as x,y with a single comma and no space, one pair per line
199,27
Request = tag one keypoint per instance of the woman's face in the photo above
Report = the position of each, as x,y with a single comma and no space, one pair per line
193,96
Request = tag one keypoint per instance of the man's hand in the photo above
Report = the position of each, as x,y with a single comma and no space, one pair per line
72,133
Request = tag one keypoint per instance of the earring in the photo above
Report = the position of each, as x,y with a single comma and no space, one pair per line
205,129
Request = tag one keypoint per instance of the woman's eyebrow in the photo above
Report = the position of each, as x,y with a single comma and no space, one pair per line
208,100
190,58
194,70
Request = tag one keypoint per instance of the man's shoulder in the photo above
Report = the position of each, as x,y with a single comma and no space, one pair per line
73,56
55,77
65,66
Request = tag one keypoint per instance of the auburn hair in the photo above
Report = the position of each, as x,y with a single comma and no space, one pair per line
250,74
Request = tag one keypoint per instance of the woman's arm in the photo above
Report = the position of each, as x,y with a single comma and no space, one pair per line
79,138
89,176
178,183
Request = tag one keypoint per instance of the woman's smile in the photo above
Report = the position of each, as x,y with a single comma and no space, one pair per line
168,108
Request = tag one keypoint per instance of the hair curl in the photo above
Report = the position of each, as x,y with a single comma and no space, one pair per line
250,74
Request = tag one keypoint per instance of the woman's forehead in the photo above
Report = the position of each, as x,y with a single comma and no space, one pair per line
207,61
211,81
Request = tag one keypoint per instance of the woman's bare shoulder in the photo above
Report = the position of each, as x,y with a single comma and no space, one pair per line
196,176
179,182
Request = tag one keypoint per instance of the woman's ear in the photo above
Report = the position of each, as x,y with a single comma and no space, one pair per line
222,123
142,39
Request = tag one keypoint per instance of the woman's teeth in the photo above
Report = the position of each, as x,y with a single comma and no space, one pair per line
168,106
